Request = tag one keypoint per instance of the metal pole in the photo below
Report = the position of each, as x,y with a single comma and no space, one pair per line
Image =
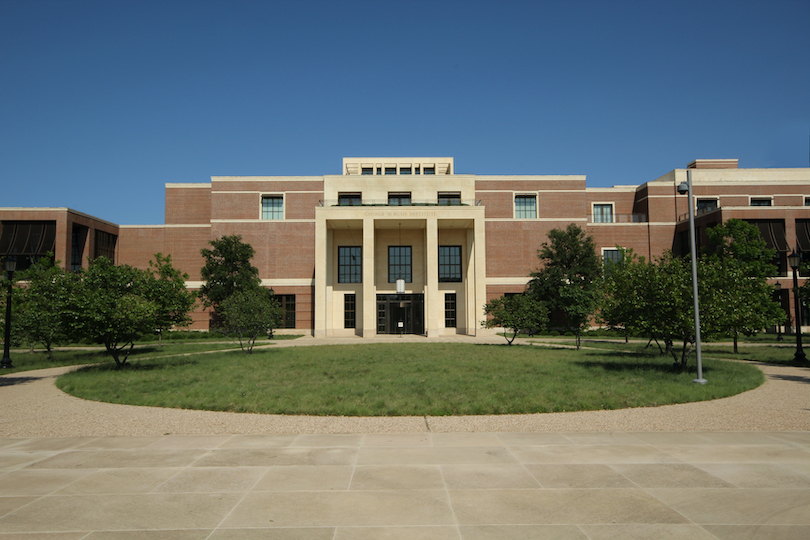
6,362
799,356
693,247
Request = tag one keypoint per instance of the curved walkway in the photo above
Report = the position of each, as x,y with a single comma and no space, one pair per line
34,407
728,469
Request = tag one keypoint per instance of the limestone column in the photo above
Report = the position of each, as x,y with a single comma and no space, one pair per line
369,297
433,303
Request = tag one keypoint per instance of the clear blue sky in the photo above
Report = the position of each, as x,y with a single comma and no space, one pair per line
103,102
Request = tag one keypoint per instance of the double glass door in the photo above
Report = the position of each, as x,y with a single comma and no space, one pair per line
400,313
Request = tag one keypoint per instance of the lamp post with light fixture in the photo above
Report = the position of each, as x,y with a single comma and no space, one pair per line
684,188
794,260
11,266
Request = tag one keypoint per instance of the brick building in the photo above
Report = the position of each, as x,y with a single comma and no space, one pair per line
408,245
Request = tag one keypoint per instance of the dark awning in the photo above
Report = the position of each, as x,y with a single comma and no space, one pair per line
773,232
27,238
803,234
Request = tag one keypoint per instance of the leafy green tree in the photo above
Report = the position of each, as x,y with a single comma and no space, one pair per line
515,312
569,281
227,270
174,302
740,300
249,314
112,305
42,303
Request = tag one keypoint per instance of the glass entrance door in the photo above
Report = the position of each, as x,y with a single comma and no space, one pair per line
400,313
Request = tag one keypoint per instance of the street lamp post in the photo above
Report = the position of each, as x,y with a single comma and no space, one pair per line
794,259
684,188
778,289
11,265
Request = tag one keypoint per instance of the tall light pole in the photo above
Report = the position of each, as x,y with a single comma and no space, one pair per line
11,265
794,260
683,188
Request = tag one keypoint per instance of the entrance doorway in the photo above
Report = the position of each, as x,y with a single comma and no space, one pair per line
400,313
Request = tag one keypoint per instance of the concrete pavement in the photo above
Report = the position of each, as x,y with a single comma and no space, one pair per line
590,481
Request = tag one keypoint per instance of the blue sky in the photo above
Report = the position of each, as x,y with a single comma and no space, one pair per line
104,102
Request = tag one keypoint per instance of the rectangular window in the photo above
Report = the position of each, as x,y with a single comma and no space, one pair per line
399,263
350,199
399,199
449,198
807,201
416,170
105,245
525,206
273,207
288,305
350,264
390,170
603,213
367,170
350,311
405,170
761,202
450,263
450,310
706,205
77,240
430,170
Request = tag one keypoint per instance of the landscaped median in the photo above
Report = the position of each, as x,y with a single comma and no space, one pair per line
432,379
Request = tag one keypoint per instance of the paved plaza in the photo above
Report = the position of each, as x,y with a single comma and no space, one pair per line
558,476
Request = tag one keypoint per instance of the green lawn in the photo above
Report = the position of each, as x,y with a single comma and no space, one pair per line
407,379
71,356
772,353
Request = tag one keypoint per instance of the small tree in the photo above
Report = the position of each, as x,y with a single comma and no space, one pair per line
169,293
740,299
250,313
569,282
227,270
515,312
42,303
110,305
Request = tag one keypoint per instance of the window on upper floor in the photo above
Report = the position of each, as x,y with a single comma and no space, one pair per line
449,198
761,201
430,170
706,205
449,263
405,170
399,199
525,206
807,201
367,170
105,245
603,213
350,264
399,264
390,170
272,207
350,199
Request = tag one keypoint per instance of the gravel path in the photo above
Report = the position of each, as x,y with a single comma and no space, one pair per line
32,406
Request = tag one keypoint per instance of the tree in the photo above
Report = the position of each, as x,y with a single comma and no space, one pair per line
515,312
169,293
112,305
569,282
227,270
249,314
739,261
42,303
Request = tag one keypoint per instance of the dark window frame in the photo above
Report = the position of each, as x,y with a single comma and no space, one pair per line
350,310
350,264
450,310
400,263
450,259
